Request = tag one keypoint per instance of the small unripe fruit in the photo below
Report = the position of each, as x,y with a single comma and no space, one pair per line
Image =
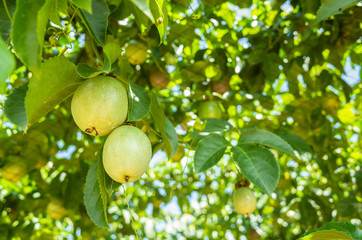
159,79
210,110
330,103
99,105
244,200
13,171
55,209
136,52
126,154
170,59
221,87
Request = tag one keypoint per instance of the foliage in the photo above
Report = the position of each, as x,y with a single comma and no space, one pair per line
290,121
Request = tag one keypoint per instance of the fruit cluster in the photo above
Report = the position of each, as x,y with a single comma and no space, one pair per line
99,107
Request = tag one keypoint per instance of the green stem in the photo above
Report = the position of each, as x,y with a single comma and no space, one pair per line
7,11
63,51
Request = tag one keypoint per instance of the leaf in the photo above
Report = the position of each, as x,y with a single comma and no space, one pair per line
97,22
125,68
30,19
217,126
5,23
209,152
102,184
58,80
7,62
143,5
258,165
332,7
84,4
171,135
86,71
159,118
139,102
92,197
334,230
265,138
53,13
141,18
63,6
301,148
14,107
112,52
161,17
213,125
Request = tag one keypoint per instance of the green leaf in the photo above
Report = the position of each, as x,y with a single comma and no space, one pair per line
84,4
139,102
258,165
5,23
160,14
141,18
209,152
265,138
30,19
143,5
102,184
14,107
63,6
92,197
53,13
7,62
112,52
58,80
171,135
159,118
125,68
86,71
334,230
97,22
332,7
301,148
213,126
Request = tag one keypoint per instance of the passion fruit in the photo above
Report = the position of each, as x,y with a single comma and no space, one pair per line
244,200
99,105
221,87
210,110
55,209
126,154
136,52
159,79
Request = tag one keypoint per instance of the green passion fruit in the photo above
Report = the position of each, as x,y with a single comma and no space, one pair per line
159,79
136,52
244,200
126,154
210,110
99,105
